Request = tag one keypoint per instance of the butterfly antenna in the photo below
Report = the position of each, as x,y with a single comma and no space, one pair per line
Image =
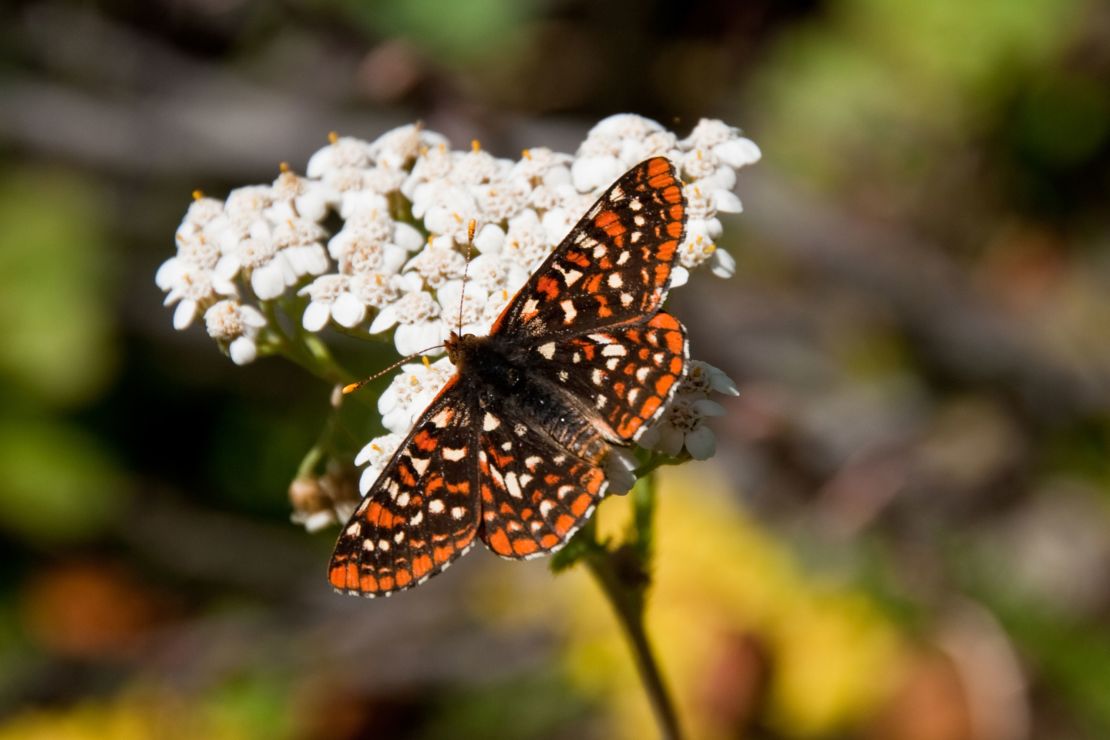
471,227
352,387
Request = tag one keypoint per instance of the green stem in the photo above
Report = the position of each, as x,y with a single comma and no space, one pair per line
624,577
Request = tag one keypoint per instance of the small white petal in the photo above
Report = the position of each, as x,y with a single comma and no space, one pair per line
679,276
722,264
670,440
348,310
184,314
251,316
738,152
268,281
243,351
706,407
725,201
316,316
701,443
407,237
489,239
385,320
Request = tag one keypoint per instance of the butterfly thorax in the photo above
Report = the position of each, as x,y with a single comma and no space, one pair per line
503,377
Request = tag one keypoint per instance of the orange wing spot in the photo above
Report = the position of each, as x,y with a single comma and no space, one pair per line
674,341
487,493
564,523
589,351
463,487
385,583
524,546
619,388
404,578
658,166
676,211
434,484
666,250
378,515
674,229
673,195
630,368
337,576
443,554
593,283
506,509
658,182
549,541
603,309
676,365
406,476
664,384
578,508
421,564
526,514
424,441
575,257
596,479
662,272
499,541
368,583
605,219
663,320
352,574
649,407
629,426
548,286
644,353
634,336
552,478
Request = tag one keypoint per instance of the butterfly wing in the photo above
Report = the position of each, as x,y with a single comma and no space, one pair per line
423,511
535,493
613,267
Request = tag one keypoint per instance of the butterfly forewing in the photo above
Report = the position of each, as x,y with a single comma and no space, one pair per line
422,512
613,267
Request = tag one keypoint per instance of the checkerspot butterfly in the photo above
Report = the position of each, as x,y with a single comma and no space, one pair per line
513,450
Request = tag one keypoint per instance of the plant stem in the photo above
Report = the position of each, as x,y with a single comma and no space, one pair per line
624,577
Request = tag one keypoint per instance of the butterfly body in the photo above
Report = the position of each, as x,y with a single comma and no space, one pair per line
513,450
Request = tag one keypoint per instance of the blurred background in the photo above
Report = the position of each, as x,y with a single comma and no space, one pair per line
905,532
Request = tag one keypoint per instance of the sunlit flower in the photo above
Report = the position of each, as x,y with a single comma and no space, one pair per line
375,455
410,393
682,427
235,326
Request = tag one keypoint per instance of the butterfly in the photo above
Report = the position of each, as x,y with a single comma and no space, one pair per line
513,450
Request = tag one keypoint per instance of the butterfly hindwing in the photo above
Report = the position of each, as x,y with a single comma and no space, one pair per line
422,512
625,375
613,267
535,493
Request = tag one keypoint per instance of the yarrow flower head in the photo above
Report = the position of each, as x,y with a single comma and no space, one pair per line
373,241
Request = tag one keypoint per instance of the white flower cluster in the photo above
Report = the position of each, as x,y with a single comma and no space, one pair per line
408,209
683,422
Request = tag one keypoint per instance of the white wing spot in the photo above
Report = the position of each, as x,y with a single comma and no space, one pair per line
354,529
458,512
546,506
601,400
576,358
399,537
626,299
520,430
643,373
613,350
403,499
525,479
563,491
419,465
563,375
529,307
532,462
571,277
383,545
568,311
638,220
436,506
658,358
635,204
417,518
490,422
506,445
634,394
454,454
368,545
597,376
615,280
559,459
599,251
512,485
547,350
442,418
612,363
